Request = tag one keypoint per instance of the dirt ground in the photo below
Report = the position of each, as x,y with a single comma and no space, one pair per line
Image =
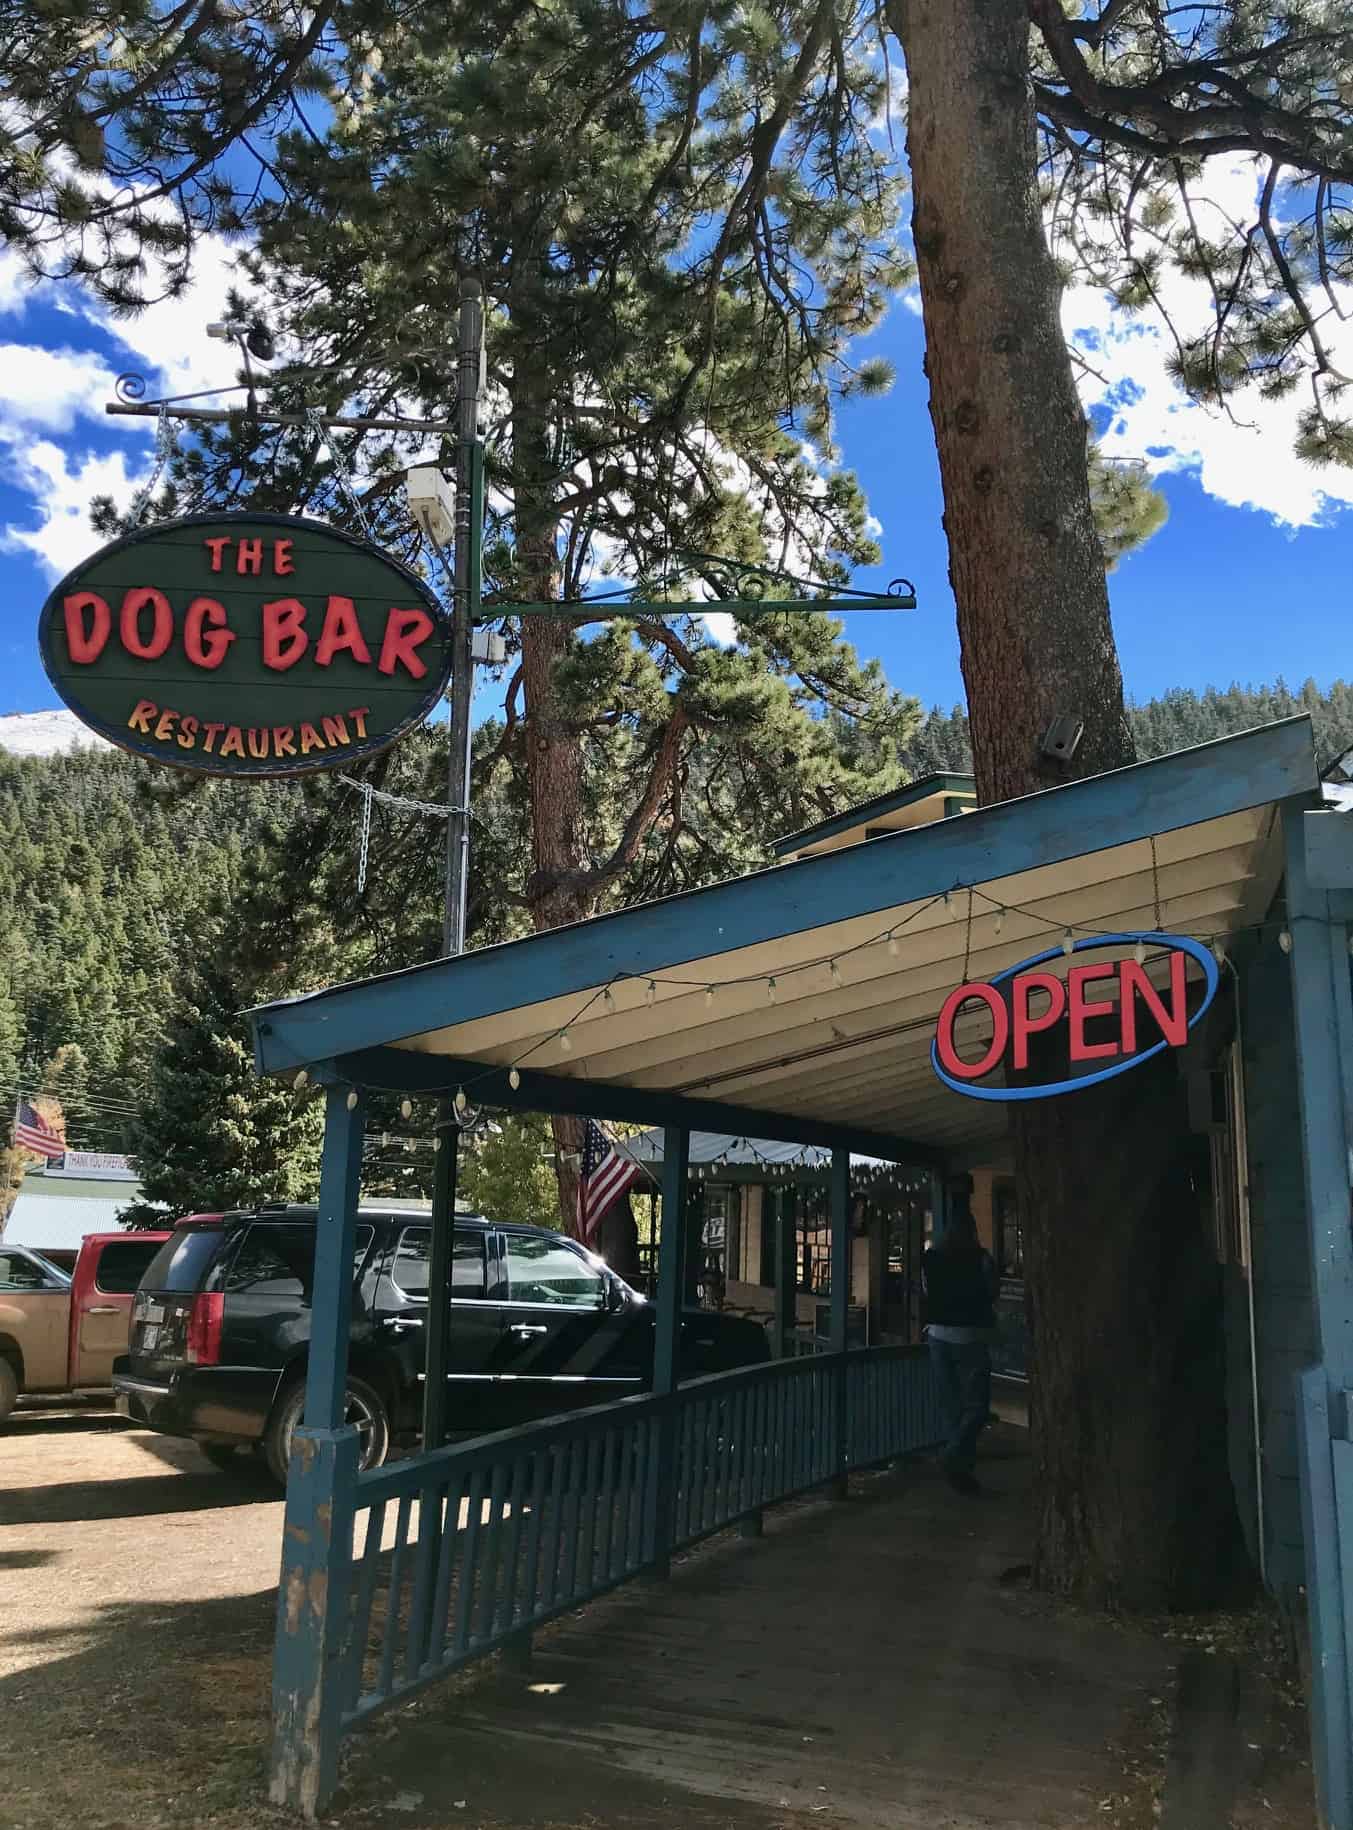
868,1665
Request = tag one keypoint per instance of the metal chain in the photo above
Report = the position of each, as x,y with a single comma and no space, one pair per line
164,445
367,792
393,800
342,473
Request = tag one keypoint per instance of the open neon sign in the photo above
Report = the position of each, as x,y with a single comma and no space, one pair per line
1023,1001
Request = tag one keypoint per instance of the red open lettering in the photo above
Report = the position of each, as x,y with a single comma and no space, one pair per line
1024,1023
1078,1010
1134,983
944,1032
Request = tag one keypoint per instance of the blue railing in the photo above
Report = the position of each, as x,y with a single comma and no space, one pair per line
457,1553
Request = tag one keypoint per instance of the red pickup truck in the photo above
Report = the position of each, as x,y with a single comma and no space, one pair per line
61,1333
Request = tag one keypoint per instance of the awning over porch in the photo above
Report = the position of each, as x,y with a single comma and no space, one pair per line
799,1002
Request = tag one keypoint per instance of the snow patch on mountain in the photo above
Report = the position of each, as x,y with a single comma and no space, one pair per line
46,734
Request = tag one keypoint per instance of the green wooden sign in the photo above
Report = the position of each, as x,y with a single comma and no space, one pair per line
246,644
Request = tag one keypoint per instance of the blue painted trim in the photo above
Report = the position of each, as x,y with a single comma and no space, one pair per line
403,1071
1331,1725
1005,1095
335,1241
1252,770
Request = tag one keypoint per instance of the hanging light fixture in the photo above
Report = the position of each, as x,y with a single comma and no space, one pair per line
513,1079
406,1108
565,1042
1139,953
1068,943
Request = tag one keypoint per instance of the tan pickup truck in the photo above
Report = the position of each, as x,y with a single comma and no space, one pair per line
61,1333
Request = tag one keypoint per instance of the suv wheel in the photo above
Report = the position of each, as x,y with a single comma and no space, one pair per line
365,1410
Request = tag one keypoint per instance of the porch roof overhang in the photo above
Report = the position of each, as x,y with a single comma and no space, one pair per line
662,1013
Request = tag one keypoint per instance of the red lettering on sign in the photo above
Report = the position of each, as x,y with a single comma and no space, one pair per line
84,642
146,597
232,744
142,713
209,736
1078,1009
284,740
310,739
1024,1023
187,738
405,633
284,637
164,729
1000,1030
335,730
206,648
341,632
281,558
217,549
248,558
258,742
1133,983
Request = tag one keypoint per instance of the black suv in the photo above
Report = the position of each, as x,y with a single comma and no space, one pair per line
220,1330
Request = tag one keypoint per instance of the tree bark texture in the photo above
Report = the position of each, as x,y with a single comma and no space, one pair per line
1129,1436
1024,556
554,759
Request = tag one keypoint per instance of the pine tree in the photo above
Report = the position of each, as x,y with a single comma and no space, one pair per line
210,1134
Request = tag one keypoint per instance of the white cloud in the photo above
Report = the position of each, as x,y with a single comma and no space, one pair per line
48,389
63,488
1244,458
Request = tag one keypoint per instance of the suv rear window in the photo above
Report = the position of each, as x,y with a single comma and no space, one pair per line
183,1261
122,1265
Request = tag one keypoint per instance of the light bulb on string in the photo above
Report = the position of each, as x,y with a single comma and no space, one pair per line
1285,940
1139,953
1068,943
461,1103
894,946
1219,951
406,1108
565,1042
770,991
836,973
513,1079
608,998
709,997
651,994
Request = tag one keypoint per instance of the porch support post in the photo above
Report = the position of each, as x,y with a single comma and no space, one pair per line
786,1271
939,1207
444,1173
1323,1016
676,1145
316,1535
840,1310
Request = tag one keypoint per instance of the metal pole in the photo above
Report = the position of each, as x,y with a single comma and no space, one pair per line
676,1144
438,1328
840,1314
469,503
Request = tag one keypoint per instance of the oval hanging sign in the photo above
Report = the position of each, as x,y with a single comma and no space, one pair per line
246,644
1023,1001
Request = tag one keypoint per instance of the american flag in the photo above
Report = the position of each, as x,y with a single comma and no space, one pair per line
602,1178
32,1132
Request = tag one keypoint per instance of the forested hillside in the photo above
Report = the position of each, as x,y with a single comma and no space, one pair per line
142,914
1172,722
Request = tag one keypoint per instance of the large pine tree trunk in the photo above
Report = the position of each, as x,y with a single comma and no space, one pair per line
554,759
1136,1506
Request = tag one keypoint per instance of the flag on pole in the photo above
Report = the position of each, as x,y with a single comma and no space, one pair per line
33,1132
603,1177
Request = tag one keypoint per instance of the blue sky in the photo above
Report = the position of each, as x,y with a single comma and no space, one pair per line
1248,580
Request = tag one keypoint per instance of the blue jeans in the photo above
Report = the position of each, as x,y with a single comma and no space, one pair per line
964,1376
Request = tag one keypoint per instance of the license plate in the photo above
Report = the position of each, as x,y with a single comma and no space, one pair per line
149,1337
153,1312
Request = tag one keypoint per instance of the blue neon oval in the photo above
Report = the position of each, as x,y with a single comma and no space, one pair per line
1178,943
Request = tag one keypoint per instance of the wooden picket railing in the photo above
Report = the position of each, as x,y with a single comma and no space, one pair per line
465,1550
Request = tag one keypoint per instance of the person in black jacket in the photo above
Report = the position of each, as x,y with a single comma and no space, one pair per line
959,1279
